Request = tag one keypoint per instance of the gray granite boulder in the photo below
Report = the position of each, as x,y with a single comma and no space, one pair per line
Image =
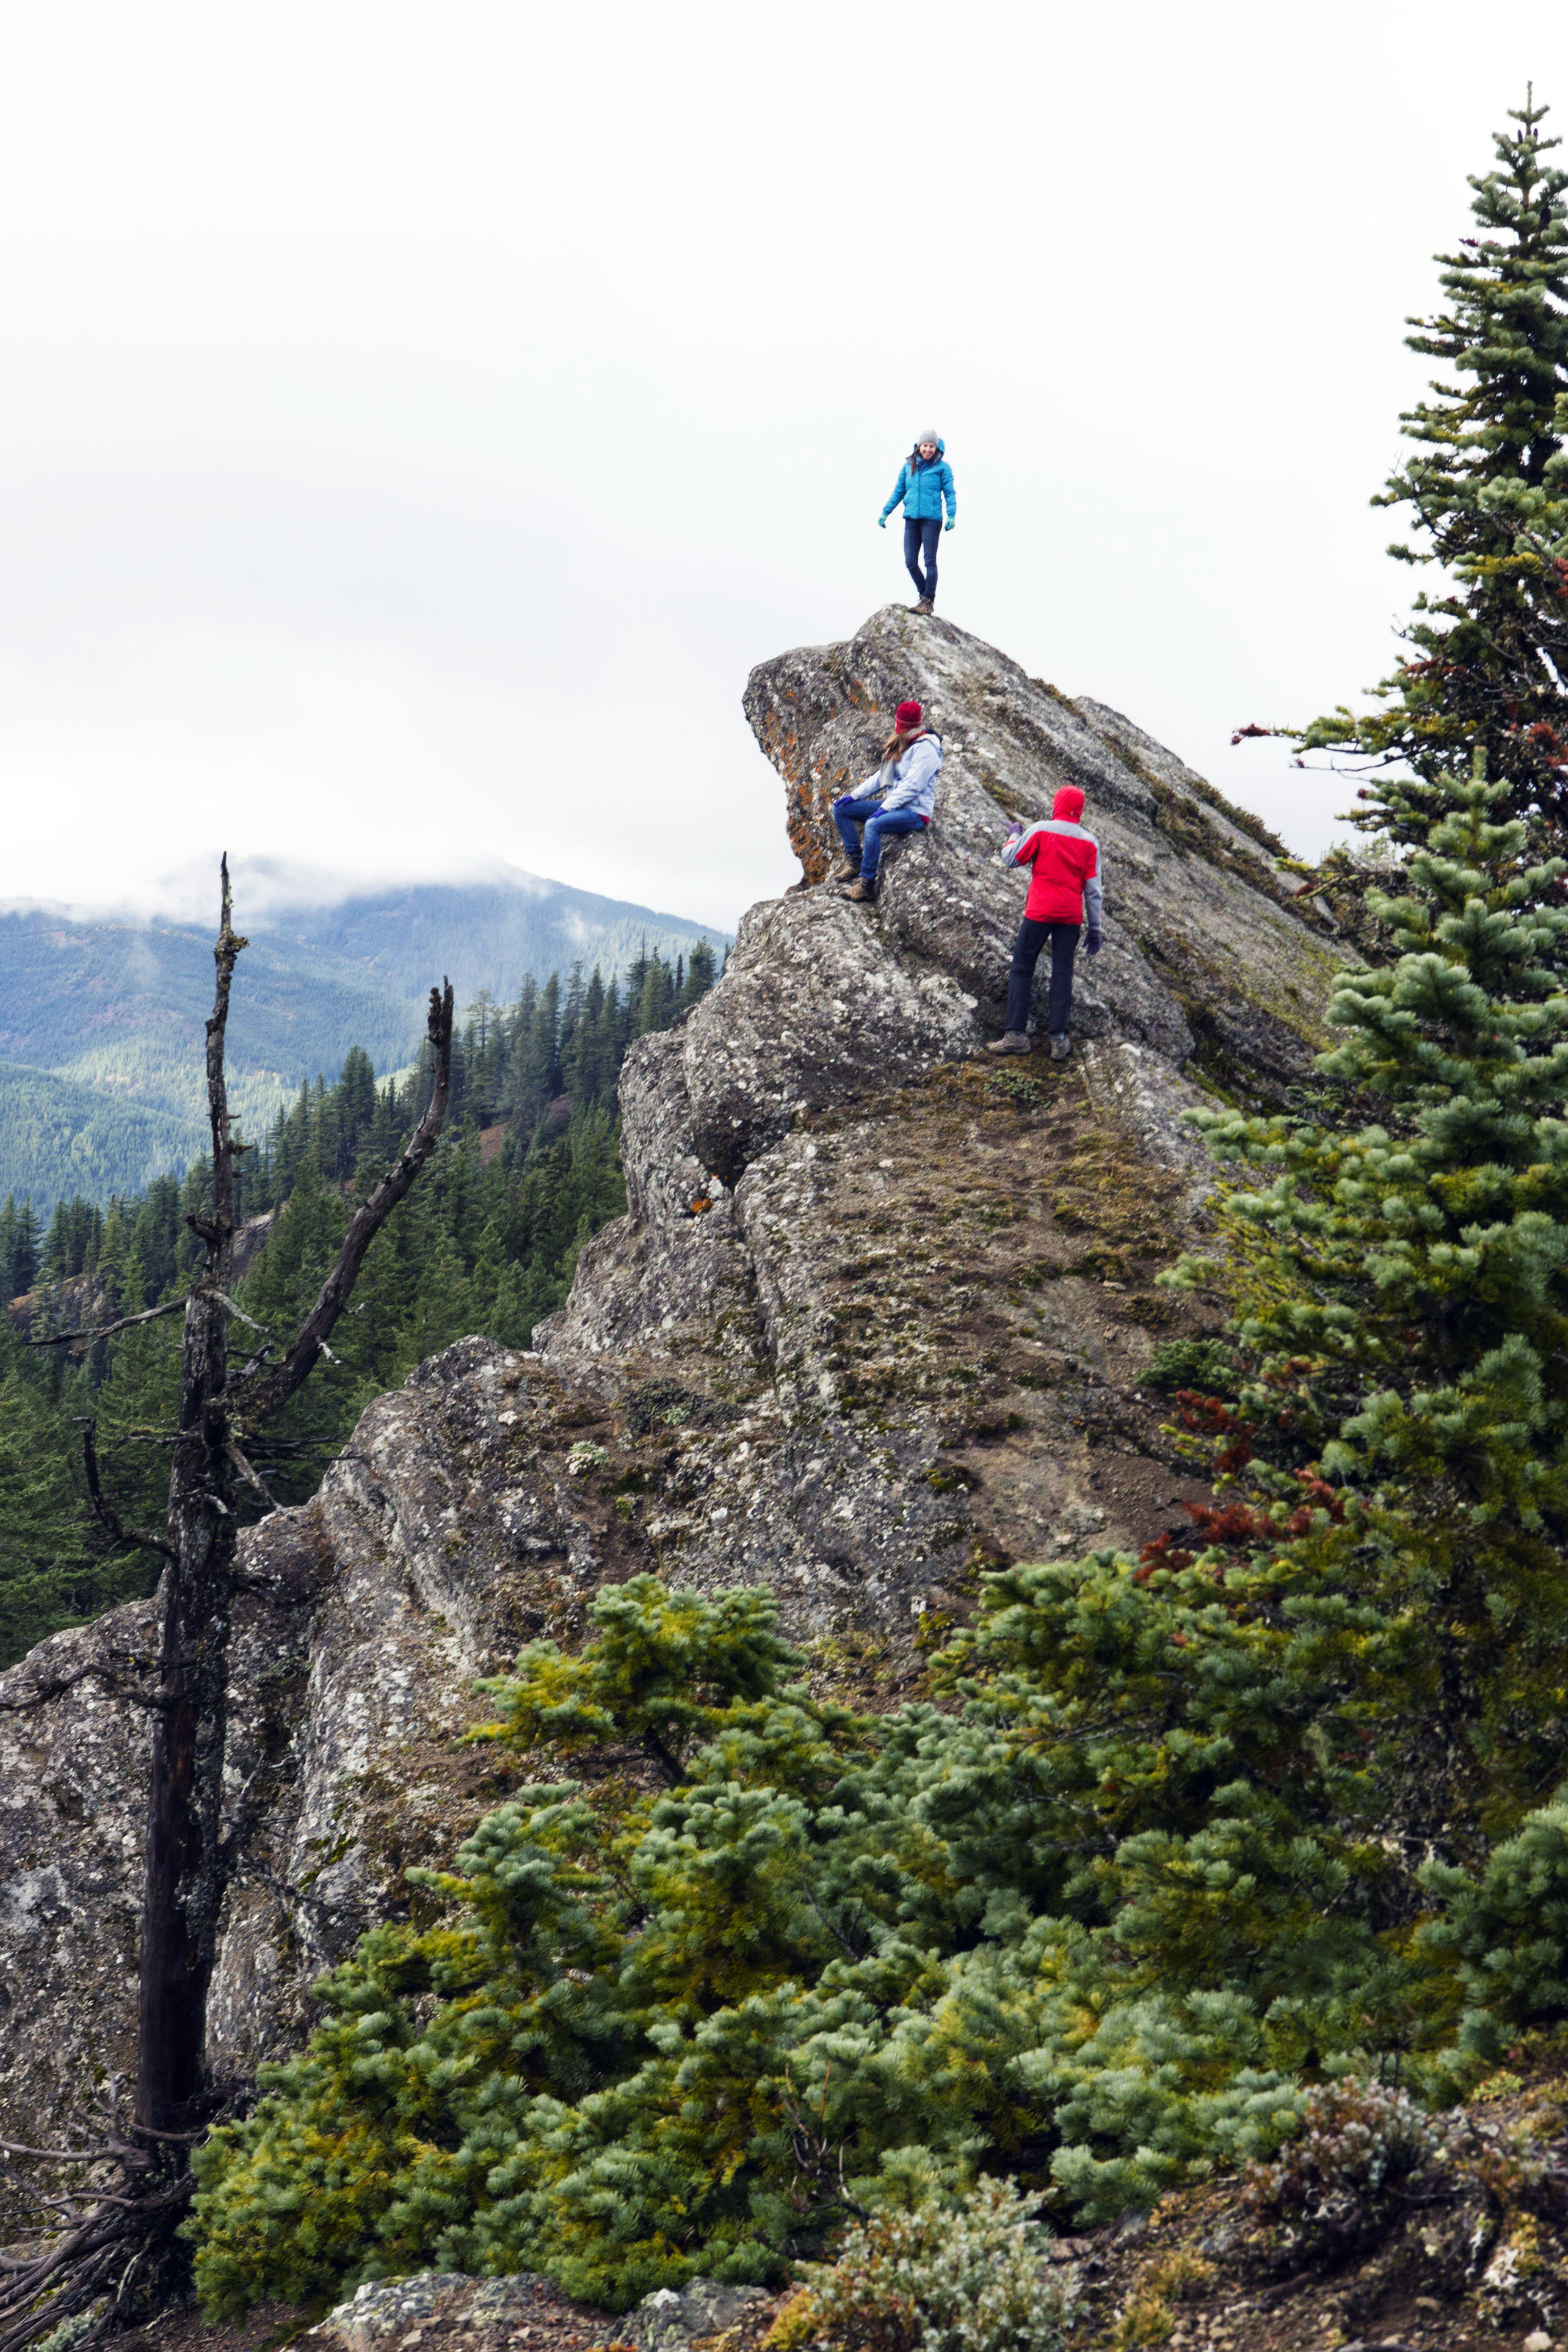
702,2312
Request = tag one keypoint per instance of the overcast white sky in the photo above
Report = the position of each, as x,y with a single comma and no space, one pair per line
416,421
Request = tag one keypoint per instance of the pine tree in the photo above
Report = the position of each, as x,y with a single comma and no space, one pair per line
9,1248
356,1092
52,1572
1486,490
701,971
1409,1291
534,1074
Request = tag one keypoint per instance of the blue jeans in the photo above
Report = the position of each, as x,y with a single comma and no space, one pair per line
1031,938
848,812
919,536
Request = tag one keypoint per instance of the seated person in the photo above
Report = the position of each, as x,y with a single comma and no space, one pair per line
899,797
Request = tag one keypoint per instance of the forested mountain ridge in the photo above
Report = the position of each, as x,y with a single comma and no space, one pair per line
59,1136
104,1011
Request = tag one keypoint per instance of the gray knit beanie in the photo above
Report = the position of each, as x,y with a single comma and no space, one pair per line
932,436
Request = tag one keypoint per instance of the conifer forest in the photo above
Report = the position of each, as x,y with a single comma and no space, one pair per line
487,1243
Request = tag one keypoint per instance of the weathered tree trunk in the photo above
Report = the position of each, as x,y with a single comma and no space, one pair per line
125,2253
183,1886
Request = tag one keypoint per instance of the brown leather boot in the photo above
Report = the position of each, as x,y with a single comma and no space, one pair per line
861,893
1014,1041
845,870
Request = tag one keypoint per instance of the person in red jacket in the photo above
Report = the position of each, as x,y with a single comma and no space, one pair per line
1065,886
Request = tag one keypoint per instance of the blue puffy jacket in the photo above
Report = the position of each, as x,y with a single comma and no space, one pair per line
923,489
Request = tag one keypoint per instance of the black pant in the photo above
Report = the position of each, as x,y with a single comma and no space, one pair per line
1031,938
918,536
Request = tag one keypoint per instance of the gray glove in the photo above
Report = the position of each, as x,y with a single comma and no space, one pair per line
1094,944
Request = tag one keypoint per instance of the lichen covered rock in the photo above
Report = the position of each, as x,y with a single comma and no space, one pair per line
1204,953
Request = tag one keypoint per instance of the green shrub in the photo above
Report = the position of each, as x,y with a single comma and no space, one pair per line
968,2276
1199,1364
1366,2156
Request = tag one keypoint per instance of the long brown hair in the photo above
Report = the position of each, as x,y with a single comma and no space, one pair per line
897,744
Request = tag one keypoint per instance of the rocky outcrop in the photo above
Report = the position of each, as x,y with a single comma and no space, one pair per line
881,1314
1205,954
527,2314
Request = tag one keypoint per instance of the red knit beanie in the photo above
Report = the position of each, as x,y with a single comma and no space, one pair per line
906,716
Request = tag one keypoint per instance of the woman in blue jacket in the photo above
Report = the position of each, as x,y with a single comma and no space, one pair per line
925,480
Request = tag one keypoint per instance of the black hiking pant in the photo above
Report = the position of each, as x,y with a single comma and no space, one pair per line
1031,939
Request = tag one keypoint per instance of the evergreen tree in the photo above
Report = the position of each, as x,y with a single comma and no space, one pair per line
71,1245
114,1251
534,1074
356,1091
701,972
20,1252
54,1570
1487,493
156,1236
8,1247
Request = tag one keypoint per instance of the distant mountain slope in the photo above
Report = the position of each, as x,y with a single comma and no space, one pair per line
122,1004
114,1008
58,1138
492,933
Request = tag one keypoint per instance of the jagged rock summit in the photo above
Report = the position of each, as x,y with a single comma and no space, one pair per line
1206,961
882,1315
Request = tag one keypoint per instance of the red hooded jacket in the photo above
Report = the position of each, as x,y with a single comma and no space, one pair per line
1066,881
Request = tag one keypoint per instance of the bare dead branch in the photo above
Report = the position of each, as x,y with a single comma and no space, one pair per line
223,1299
310,1341
253,1478
107,1330
45,1694
105,1509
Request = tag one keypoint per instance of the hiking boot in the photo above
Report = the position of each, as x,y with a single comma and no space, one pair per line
1014,1041
846,870
926,605
860,894
1060,1048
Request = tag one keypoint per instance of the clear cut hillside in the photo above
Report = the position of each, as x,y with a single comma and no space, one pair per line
882,1315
